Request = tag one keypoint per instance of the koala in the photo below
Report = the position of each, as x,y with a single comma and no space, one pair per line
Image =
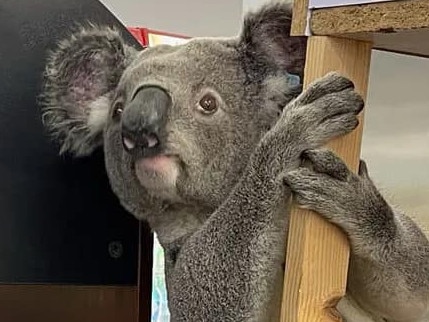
209,143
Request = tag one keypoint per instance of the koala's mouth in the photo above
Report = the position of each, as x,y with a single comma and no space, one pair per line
157,163
161,169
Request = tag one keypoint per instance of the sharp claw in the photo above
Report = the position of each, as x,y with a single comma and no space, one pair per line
363,169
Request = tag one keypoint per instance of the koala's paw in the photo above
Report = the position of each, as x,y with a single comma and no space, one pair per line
348,200
326,186
327,109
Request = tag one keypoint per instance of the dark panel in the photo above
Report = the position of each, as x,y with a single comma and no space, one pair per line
145,273
57,216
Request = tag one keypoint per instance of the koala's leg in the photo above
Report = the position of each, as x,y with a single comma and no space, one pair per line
230,268
389,267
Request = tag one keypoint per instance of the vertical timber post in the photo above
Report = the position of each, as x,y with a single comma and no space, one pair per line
317,251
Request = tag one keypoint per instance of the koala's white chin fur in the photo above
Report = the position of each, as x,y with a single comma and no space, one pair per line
158,175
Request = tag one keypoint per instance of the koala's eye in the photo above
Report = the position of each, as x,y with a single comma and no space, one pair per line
118,108
208,104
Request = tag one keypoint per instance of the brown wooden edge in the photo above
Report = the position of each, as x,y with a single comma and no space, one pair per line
384,17
67,303
398,26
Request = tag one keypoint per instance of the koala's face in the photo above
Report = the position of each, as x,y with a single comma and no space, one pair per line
178,124
183,123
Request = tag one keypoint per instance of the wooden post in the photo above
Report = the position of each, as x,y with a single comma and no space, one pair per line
318,252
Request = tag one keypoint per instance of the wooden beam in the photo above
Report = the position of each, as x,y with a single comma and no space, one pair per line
299,20
318,252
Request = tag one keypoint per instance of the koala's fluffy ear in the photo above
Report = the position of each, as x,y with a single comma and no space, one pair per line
80,77
266,39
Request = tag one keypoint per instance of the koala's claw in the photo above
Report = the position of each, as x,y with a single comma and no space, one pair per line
326,110
321,186
335,127
363,169
327,162
307,187
347,100
332,82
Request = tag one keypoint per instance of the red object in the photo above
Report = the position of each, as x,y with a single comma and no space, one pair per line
142,34
138,34
147,31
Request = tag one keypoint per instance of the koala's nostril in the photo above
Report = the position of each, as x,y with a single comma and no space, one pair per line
128,143
151,140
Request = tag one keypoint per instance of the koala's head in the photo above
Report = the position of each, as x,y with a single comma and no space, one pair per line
177,124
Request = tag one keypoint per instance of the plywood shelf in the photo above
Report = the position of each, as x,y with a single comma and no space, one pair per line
397,26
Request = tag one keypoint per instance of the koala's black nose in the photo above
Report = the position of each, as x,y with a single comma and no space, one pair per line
143,120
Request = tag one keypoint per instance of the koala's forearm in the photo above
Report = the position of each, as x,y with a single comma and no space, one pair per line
238,242
389,269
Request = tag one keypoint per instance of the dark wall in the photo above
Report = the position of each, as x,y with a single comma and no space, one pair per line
58,216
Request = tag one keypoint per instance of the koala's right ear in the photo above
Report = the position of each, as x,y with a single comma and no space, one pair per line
81,75
265,39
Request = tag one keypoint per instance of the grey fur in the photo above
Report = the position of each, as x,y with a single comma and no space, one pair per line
219,205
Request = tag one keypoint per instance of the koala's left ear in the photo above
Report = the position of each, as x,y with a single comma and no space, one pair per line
80,77
266,39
